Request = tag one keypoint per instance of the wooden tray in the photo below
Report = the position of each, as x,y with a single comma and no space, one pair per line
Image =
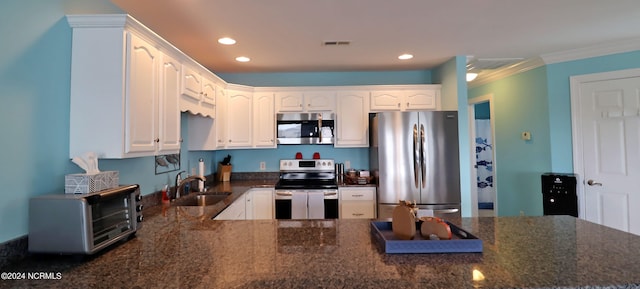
462,241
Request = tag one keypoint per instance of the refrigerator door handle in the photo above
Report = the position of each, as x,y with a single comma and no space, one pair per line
446,211
416,156
423,161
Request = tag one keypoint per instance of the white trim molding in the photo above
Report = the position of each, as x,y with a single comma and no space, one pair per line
627,45
608,48
498,74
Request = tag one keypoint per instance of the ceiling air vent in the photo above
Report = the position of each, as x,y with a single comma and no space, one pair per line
336,43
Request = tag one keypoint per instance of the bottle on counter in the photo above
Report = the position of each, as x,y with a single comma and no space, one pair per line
165,194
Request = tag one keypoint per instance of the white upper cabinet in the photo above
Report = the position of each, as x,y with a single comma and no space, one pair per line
305,101
403,98
198,91
118,87
191,83
290,101
425,99
239,118
220,135
141,98
352,119
208,91
264,131
169,122
206,133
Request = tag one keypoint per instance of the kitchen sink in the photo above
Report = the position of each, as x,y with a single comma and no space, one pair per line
202,199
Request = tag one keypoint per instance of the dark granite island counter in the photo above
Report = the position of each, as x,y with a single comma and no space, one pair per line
183,249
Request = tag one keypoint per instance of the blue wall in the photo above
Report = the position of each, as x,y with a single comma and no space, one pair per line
451,75
249,160
34,118
329,78
520,104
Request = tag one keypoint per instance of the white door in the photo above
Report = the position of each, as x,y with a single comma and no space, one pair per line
609,133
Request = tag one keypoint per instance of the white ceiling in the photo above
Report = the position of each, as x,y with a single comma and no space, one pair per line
287,35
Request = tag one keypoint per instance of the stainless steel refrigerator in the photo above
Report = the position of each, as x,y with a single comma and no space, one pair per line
414,157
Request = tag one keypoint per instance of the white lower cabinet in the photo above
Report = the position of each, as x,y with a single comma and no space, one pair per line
255,204
259,204
235,211
357,202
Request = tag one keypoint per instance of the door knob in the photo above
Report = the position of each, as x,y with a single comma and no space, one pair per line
593,183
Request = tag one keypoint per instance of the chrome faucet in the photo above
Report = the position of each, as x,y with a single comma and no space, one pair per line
180,183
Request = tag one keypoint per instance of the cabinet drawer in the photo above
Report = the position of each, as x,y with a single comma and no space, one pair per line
359,194
357,210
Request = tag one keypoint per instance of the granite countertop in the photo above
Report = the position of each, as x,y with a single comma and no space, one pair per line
179,248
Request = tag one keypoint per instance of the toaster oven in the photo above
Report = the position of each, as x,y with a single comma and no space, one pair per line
83,223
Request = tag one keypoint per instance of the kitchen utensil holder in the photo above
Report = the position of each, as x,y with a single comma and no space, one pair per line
224,172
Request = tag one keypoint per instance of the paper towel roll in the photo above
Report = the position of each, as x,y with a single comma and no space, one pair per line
201,173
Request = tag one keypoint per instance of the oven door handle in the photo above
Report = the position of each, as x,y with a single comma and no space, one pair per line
330,193
284,194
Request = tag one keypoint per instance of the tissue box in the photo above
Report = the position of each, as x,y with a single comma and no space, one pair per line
84,183
224,173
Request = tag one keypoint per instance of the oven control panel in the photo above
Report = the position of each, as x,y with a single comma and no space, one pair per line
307,165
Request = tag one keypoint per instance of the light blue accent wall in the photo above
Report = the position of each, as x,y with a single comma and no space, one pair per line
35,71
560,100
249,160
329,78
454,97
521,104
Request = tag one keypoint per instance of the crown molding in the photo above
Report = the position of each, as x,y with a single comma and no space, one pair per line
608,48
623,46
525,65
97,20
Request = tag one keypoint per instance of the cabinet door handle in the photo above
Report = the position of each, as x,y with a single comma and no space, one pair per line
357,196
156,140
357,214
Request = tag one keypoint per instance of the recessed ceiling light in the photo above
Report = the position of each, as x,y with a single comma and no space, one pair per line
243,59
405,56
227,41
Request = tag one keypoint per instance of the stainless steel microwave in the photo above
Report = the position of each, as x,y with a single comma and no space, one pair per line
306,128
